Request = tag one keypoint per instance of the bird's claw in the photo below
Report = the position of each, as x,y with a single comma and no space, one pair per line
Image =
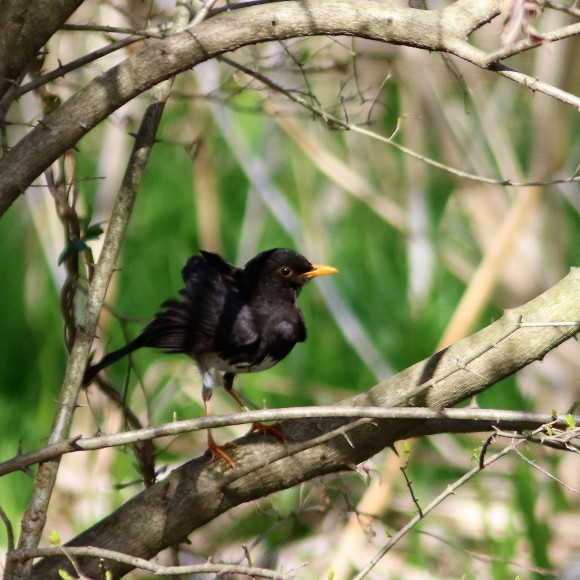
214,450
275,430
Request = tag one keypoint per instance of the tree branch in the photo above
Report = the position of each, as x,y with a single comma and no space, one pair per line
26,26
472,420
224,32
449,490
252,23
157,569
530,43
200,490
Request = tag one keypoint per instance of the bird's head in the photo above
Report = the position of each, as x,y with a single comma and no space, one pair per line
282,269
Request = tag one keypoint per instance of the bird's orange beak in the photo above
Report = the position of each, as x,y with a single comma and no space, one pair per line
318,270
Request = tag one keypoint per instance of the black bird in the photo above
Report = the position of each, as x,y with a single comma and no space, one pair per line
229,320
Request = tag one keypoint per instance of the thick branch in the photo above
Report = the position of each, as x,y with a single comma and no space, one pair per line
166,513
25,27
228,30
433,30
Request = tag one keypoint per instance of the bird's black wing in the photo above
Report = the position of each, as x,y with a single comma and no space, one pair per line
210,315
230,275
208,309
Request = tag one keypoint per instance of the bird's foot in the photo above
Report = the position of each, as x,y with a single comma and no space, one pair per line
275,430
214,450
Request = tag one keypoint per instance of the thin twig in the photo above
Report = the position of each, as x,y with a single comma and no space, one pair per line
202,13
537,85
337,122
152,33
451,489
75,64
547,473
9,529
484,448
554,324
143,564
530,43
492,416
487,557
568,8
409,483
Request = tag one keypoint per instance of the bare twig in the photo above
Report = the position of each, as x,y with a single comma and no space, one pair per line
75,64
487,557
451,489
149,33
142,564
507,419
530,43
65,201
202,13
547,473
409,484
571,9
537,85
9,529
484,449
337,122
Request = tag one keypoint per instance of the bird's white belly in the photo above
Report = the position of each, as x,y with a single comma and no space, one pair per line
243,367
212,362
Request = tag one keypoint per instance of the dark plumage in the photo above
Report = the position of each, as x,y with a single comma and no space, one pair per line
229,320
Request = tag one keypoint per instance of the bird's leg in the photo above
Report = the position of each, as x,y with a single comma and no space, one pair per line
275,429
228,380
213,448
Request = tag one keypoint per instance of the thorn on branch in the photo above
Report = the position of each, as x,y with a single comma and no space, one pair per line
26,469
463,366
348,440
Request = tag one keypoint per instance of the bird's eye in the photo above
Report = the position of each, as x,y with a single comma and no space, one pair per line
285,271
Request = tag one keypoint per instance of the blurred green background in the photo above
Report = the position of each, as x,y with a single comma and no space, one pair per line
238,169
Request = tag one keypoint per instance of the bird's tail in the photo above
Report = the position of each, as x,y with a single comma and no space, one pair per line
93,370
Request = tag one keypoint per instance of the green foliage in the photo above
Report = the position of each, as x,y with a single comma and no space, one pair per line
54,538
90,232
